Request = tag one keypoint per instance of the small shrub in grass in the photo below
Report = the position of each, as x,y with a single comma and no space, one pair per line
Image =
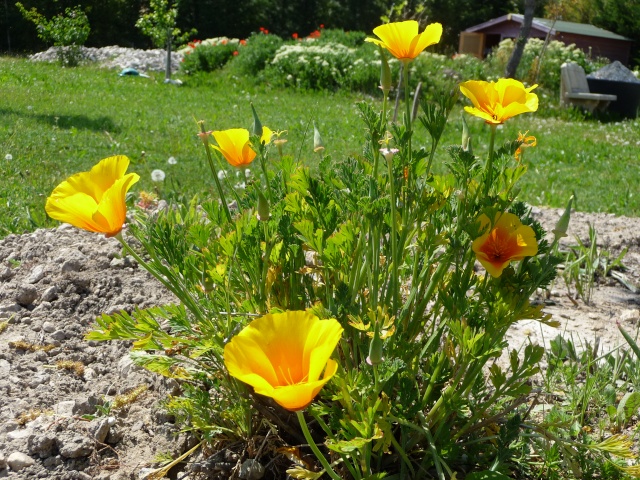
351,39
258,51
209,55
311,65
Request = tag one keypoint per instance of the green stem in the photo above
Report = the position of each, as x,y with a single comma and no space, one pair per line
265,269
489,172
375,148
409,105
263,165
207,148
394,246
314,447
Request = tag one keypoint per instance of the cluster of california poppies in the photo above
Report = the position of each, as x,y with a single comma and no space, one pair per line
286,356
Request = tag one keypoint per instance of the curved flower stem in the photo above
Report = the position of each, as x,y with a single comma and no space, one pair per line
205,141
489,172
314,447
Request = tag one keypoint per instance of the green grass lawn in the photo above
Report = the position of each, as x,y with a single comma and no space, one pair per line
55,122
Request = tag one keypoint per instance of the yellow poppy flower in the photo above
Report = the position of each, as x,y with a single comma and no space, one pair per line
495,102
506,241
234,146
267,134
529,141
94,200
403,40
282,356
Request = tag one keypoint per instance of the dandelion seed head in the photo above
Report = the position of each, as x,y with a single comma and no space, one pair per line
157,175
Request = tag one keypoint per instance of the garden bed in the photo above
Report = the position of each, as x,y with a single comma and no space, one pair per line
63,422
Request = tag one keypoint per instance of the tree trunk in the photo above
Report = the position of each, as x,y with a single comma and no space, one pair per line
514,61
167,70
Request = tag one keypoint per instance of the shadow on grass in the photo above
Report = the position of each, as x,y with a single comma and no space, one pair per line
67,122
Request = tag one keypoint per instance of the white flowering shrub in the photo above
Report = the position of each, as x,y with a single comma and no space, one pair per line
308,65
548,64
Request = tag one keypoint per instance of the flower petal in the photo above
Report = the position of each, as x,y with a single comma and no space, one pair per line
112,209
496,102
507,240
403,40
297,397
234,146
94,200
283,355
430,36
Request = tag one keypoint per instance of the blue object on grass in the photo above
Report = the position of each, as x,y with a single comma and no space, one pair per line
129,71
132,72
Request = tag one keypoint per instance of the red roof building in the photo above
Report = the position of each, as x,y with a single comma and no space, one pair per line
597,42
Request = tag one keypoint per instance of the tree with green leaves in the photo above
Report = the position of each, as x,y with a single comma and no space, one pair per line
159,24
68,32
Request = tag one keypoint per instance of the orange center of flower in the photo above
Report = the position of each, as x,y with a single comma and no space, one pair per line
500,246
288,377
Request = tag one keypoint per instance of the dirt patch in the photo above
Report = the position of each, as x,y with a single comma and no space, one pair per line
55,421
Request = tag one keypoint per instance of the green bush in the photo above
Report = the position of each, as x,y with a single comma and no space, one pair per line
555,55
351,39
258,51
311,65
364,73
208,55
68,32
440,73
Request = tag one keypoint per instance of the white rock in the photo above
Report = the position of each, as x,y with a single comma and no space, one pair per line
48,327
64,408
20,434
17,461
36,274
632,315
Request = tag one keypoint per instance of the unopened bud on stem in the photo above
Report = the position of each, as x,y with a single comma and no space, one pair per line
562,226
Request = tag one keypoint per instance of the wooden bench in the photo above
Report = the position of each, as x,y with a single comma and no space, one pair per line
574,89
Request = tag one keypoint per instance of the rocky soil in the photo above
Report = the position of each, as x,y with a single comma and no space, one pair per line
55,422
119,57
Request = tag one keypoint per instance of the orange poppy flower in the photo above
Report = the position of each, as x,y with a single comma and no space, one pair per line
403,40
283,355
94,200
234,146
505,241
496,102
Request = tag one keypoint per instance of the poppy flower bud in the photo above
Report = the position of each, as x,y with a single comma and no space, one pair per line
385,73
257,125
466,137
375,348
263,208
562,226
